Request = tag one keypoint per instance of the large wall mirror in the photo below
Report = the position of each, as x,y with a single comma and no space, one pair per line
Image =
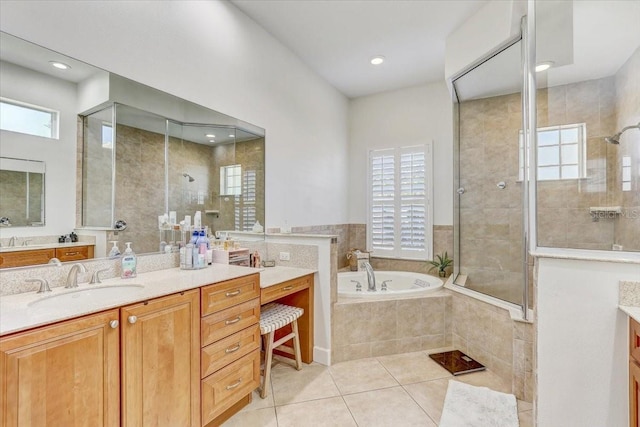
136,152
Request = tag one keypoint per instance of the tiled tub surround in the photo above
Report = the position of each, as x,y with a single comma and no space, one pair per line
370,328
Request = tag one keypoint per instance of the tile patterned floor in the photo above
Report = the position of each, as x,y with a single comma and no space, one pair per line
399,390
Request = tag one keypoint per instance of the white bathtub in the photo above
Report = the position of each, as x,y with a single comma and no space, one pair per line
399,283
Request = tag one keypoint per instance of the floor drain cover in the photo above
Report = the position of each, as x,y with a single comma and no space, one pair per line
457,362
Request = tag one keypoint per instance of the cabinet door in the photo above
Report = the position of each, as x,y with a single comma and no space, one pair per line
22,258
634,394
62,375
161,362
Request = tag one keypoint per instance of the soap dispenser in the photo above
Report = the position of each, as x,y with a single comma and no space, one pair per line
129,262
115,251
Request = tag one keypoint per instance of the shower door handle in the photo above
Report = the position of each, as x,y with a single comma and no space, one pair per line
460,190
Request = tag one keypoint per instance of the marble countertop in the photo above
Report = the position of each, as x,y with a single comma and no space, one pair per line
633,312
270,276
28,310
37,246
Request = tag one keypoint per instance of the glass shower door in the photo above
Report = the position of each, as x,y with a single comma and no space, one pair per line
489,206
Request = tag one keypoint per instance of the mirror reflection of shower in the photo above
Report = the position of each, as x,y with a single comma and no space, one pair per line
615,139
186,175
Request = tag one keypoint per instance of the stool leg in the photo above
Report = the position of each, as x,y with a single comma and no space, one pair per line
268,356
296,344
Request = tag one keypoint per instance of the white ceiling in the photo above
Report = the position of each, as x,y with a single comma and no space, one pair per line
337,38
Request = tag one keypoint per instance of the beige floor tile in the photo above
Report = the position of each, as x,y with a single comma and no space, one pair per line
387,407
410,368
361,375
485,379
331,412
525,418
265,417
430,396
259,403
310,383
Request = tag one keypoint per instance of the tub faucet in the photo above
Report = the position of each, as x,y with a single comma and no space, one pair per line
72,278
371,277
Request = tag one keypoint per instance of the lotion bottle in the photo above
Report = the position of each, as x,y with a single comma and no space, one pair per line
129,262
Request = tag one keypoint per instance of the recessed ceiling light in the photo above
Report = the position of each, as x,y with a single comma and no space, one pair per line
59,65
543,66
212,140
210,135
231,135
377,60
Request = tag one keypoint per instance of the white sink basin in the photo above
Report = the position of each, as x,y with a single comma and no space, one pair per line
86,294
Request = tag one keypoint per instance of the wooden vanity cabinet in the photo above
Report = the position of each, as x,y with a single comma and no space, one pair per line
23,258
161,362
634,373
59,374
230,339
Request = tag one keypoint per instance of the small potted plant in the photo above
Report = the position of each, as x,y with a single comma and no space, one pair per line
441,262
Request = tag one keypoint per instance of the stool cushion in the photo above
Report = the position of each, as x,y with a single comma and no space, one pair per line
274,316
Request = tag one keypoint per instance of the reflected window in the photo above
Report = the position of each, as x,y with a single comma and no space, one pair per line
231,180
29,119
107,136
399,192
561,152
626,173
245,204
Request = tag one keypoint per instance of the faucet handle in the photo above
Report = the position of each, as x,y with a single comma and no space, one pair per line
25,242
358,285
44,285
95,278
384,284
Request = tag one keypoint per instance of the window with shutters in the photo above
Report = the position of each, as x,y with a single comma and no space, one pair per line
399,202
245,203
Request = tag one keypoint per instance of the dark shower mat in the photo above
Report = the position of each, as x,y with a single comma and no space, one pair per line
457,362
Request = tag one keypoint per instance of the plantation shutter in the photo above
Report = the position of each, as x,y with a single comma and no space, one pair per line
399,206
383,199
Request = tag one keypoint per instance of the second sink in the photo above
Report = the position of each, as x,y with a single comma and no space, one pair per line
86,294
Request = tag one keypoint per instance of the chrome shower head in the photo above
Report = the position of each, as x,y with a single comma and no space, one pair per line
615,139
186,175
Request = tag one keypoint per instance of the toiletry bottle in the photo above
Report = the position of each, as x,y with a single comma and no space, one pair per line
114,252
129,262
188,256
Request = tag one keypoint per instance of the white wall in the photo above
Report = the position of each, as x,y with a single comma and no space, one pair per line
59,155
398,118
210,53
582,344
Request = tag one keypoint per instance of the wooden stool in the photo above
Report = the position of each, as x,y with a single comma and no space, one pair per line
274,316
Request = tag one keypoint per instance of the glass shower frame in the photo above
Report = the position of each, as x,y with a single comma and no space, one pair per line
528,120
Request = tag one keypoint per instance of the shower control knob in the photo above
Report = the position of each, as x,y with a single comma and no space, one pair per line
501,185
460,190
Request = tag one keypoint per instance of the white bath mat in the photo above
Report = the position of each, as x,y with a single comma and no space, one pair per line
469,406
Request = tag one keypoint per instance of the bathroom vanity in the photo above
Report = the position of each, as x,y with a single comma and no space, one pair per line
41,254
170,347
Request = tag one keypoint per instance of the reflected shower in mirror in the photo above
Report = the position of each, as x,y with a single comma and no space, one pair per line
21,192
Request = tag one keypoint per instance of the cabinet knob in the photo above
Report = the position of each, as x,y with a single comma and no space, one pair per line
132,319
114,324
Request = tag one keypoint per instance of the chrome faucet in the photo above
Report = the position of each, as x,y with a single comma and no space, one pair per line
44,285
12,241
371,277
72,278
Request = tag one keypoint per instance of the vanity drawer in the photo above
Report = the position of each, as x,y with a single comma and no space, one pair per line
74,253
227,350
22,258
226,294
226,322
223,389
272,293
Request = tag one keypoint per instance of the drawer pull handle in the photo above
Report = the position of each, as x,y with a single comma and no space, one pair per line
231,322
71,253
233,349
234,385
233,294
287,288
